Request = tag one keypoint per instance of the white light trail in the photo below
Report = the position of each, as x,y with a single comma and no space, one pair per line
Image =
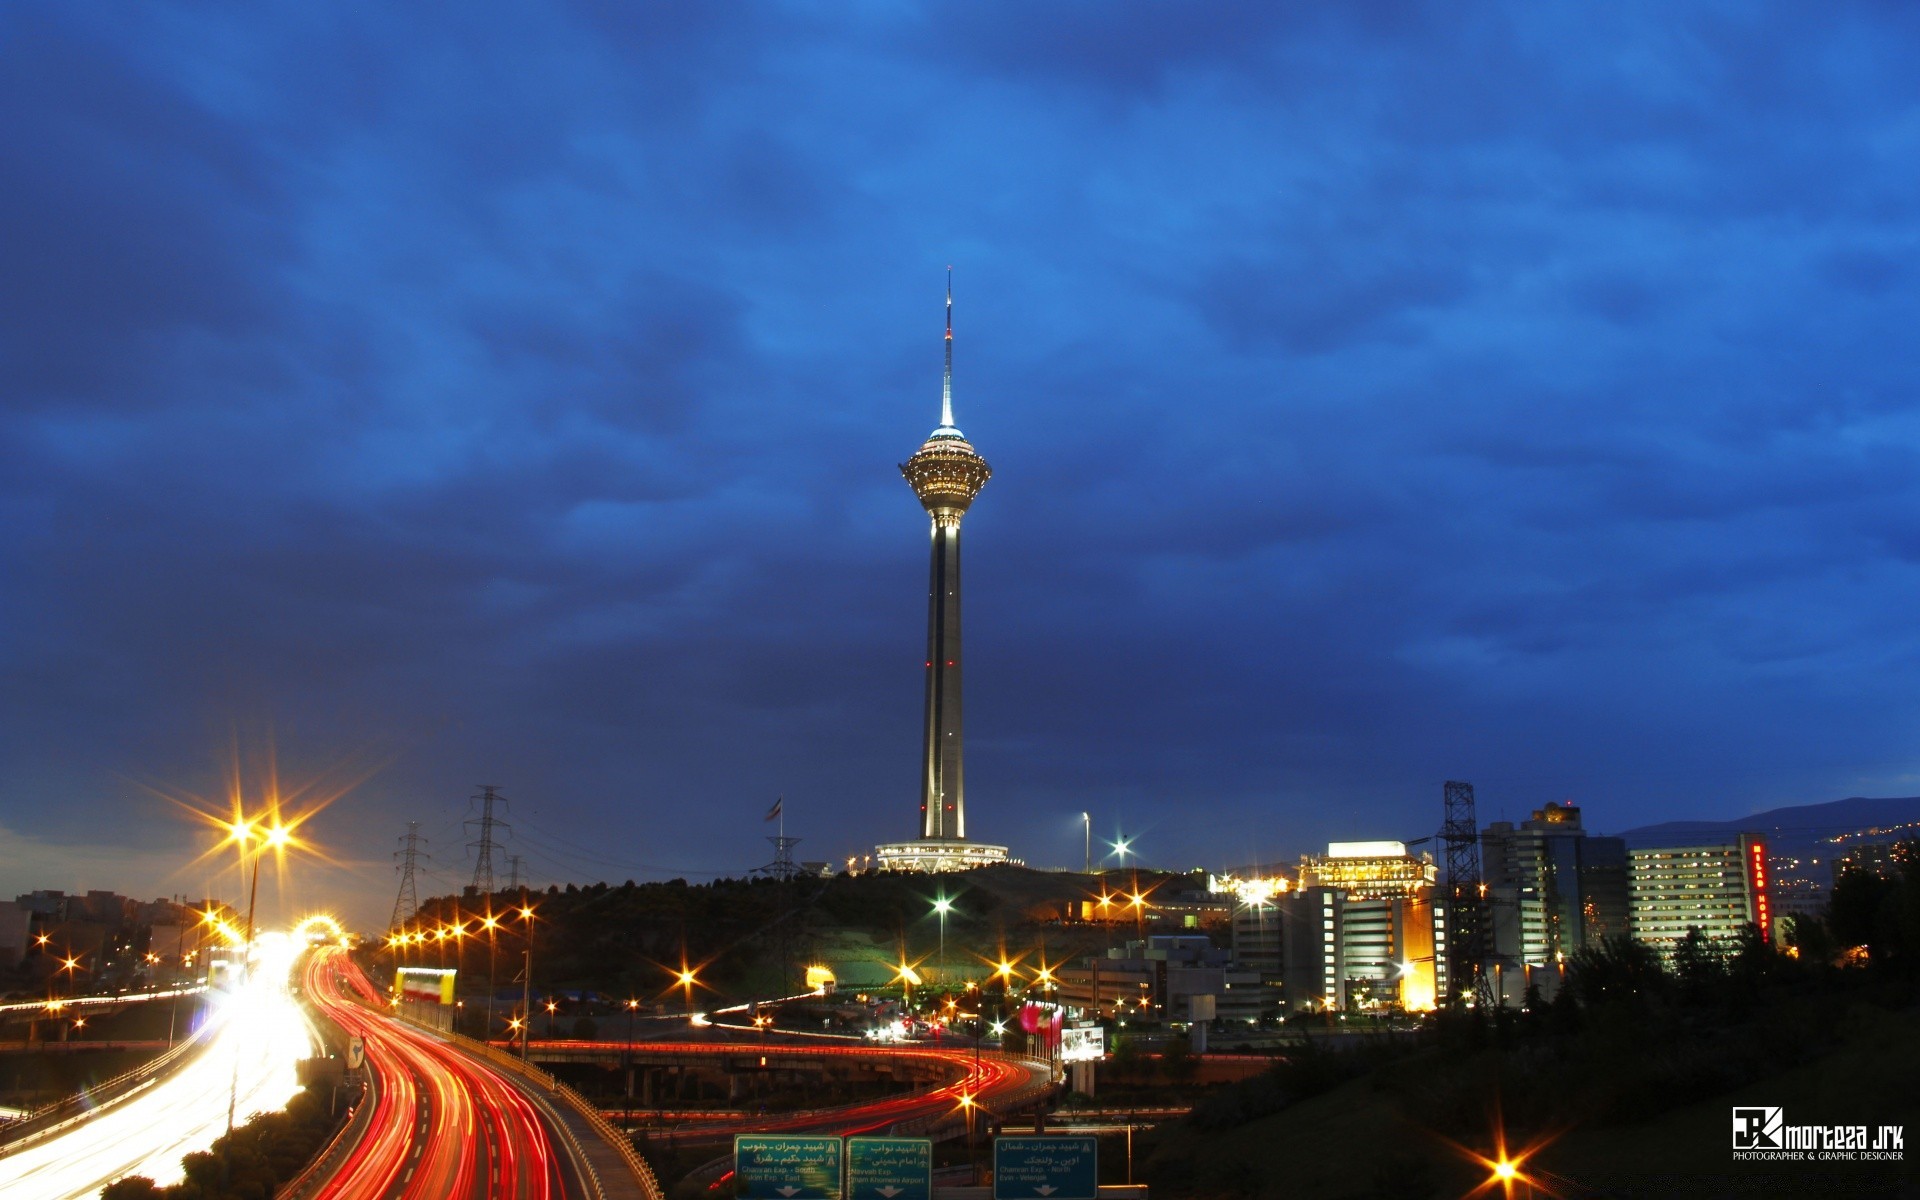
260,1030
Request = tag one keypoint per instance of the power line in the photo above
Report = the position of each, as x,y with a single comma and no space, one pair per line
484,844
407,903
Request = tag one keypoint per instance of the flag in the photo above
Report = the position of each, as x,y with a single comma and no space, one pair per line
774,812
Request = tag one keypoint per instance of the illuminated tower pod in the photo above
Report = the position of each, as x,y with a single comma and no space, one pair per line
946,474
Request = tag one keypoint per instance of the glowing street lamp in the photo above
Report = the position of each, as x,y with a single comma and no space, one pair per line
687,981
943,906
1120,848
633,1006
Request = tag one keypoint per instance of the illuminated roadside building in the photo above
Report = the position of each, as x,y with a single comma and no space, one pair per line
946,473
1552,891
1172,977
1717,887
1361,932
1256,924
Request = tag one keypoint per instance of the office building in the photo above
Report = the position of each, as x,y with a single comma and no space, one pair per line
1360,932
1166,978
1552,890
1717,887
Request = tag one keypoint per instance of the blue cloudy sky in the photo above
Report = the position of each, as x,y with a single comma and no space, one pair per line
1378,394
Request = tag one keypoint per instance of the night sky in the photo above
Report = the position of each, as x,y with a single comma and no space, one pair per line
1377,394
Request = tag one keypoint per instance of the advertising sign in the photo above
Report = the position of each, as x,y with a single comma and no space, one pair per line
428,985
1082,1045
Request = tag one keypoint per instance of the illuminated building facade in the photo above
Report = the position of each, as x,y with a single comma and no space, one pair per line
946,473
1552,890
1178,977
1361,931
1716,887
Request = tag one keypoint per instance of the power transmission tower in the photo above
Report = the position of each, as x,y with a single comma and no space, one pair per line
407,903
1467,975
513,873
484,845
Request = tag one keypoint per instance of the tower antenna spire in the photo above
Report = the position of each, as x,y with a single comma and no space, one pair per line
946,380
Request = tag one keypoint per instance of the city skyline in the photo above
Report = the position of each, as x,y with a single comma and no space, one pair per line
1384,397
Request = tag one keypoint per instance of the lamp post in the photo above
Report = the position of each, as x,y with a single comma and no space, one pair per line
1086,827
491,924
632,1007
686,979
242,832
943,906
526,974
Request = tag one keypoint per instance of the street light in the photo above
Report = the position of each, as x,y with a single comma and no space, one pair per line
526,974
943,906
633,1006
687,981
1120,848
491,924
1086,828
907,977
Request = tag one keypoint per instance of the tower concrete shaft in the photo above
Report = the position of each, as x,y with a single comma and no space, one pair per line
946,474
943,793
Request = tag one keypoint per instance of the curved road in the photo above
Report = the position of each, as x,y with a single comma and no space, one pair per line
990,1080
443,1127
255,1037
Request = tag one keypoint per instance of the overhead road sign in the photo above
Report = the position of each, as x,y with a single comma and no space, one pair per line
886,1168
1053,1168
767,1167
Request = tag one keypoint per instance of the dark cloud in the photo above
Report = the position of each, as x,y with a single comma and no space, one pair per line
1377,395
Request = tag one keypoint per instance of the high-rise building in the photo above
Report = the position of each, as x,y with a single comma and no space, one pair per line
946,473
1552,890
1361,931
1717,887
1888,860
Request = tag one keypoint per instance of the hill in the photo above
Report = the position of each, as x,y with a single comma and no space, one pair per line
1797,829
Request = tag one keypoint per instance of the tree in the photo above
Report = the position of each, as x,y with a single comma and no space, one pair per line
1177,1060
1126,1057
1853,912
1618,970
1698,964
1806,937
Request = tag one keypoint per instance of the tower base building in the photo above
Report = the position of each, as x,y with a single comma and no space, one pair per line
940,854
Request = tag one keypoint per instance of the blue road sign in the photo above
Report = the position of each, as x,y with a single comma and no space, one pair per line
1055,1168
887,1168
787,1168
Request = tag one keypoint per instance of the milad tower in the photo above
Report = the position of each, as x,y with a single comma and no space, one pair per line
946,474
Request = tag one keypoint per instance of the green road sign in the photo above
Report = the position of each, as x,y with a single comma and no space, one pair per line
885,1168
787,1168
1056,1168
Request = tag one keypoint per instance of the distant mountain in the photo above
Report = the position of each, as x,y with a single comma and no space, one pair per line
1798,828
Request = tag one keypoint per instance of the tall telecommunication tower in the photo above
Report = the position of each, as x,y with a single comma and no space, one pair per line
407,903
484,845
1467,976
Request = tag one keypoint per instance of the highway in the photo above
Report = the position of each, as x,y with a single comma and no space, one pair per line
254,1038
444,1126
991,1080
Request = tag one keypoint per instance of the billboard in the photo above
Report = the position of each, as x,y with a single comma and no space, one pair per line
1083,1045
426,985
